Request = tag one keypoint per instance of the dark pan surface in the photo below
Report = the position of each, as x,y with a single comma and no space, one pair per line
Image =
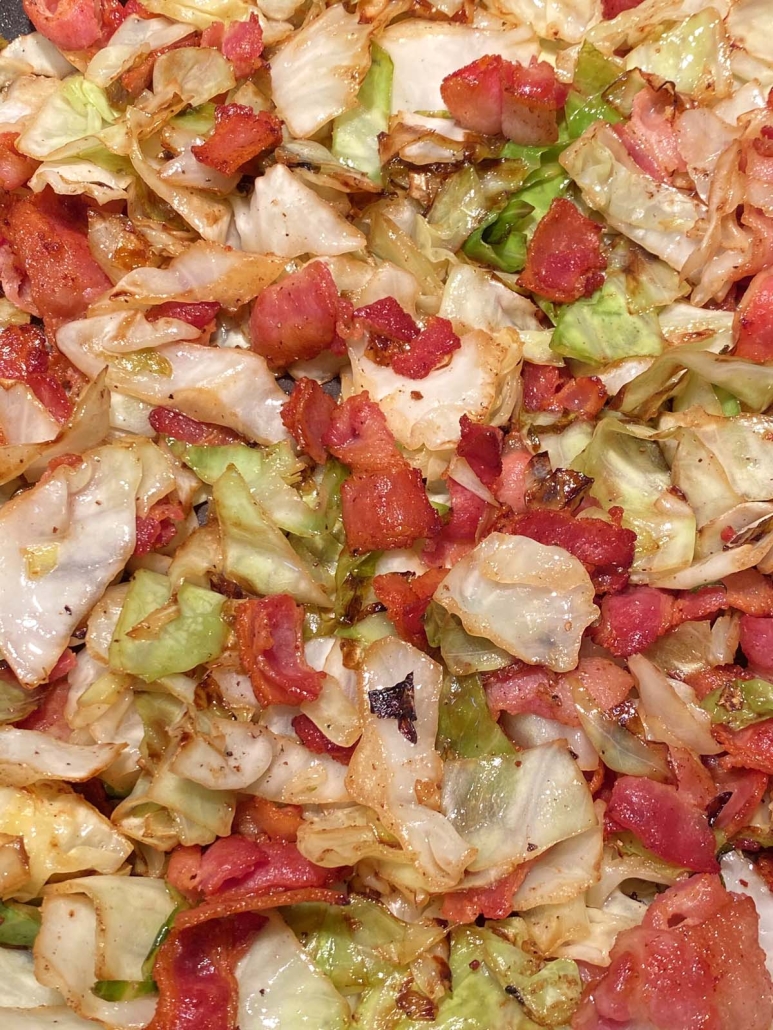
13,21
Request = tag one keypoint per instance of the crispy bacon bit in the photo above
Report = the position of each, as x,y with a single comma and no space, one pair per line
741,789
386,319
481,447
548,388
693,779
530,689
757,642
258,818
754,320
564,260
494,902
428,351
15,168
296,319
47,235
494,96
750,592
406,598
511,488
360,437
606,550
24,355
307,416
607,683
241,43
397,702
386,510
268,632
532,96
194,971
49,716
664,821
650,137
715,679
239,135
750,748
157,529
168,422
312,737
632,620
611,8
73,24
200,315
694,963
469,518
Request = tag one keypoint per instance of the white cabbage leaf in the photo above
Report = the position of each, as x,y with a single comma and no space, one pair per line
18,987
276,975
528,730
335,710
63,542
224,755
27,756
564,871
70,120
66,951
671,710
594,934
665,221
201,13
317,73
22,98
296,776
62,834
339,836
512,808
390,774
566,20
287,218
32,54
473,297
425,52
74,177
135,37
532,600
23,418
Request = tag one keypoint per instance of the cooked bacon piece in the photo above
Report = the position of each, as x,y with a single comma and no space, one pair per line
194,971
307,416
511,488
494,96
428,350
15,168
607,683
239,135
749,748
611,8
386,318
494,902
360,437
693,605
750,592
406,598
200,314
469,517
753,328
474,95
650,137
531,98
602,547
695,963
168,422
714,679
241,43
48,717
158,528
47,235
564,260
530,689
664,821
757,642
481,447
632,620
693,779
548,388
312,737
24,355
268,633
740,792
258,818
72,24
296,319
386,510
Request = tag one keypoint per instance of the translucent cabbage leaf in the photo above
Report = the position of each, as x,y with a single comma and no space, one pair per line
466,728
499,803
462,654
19,924
68,121
602,328
355,133
27,756
159,635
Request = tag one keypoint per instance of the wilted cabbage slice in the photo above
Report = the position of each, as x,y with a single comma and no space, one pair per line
27,756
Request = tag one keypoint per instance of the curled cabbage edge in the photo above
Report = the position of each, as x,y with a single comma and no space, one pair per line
201,13
533,600
316,74
285,217
527,730
564,871
337,836
275,974
500,804
589,934
62,834
66,952
477,300
63,542
27,756
298,777
389,774
566,20
665,221
69,121
133,38
23,419
224,755
32,54
671,714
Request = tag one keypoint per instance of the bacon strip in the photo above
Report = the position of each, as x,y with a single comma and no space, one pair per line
312,737
548,388
15,168
563,259
386,510
428,350
200,314
360,437
753,328
74,24
241,43
406,598
494,902
307,415
168,422
239,135
270,640
24,355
